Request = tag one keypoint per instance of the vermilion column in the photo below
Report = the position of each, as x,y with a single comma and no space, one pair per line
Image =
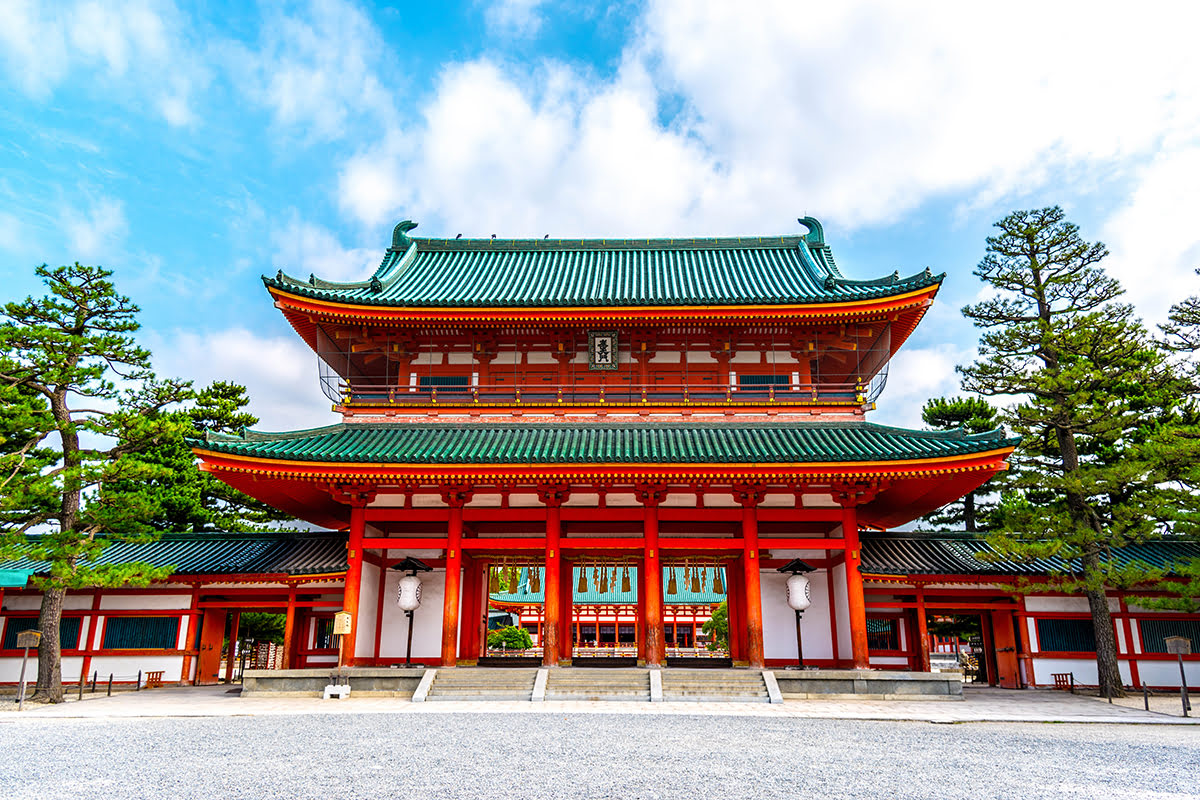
855,599
289,630
922,631
470,609
455,498
567,596
752,584
656,646
552,604
354,562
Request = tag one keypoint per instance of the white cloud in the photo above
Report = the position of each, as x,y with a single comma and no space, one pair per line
727,120
1153,239
915,375
315,69
98,231
279,373
517,18
132,46
301,248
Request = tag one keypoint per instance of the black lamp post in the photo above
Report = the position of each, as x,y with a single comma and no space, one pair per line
408,596
798,598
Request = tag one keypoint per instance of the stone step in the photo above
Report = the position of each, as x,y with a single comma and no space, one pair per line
483,684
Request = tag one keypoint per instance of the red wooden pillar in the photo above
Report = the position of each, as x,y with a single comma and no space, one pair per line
734,602
855,600
353,588
641,614
233,635
656,647
455,497
552,496
289,630
470,608
567,596
189,643
922,633
750,497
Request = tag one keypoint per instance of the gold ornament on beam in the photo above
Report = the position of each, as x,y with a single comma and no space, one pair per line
604,580
493,580
695,586
672,586
582,587
535,579
718,584
625,585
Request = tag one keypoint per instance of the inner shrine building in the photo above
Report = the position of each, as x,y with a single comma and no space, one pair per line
558,409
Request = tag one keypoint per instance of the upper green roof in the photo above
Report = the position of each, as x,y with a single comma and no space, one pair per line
603,443
497,273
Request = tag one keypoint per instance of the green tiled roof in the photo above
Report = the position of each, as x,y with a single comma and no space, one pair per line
498,273
614,596
225,554
943,553
593,443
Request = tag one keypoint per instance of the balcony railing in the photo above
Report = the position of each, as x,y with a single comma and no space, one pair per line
365,394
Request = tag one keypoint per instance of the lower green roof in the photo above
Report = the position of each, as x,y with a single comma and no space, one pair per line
594,443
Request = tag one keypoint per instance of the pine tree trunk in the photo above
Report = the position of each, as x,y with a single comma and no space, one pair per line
49,679
1107,667
969,512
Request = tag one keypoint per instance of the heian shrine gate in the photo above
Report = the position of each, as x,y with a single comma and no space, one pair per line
560,406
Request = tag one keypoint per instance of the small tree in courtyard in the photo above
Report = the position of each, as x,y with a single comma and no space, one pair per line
1091,388
86,401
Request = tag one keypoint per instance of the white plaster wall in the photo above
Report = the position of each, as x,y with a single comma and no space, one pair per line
123,668
882,661
841,610
368,598
137,602
427,620
666,357
1084,669
1076,604
779,620
1166,673
31,602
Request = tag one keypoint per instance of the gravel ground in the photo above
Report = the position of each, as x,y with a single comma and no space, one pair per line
589,756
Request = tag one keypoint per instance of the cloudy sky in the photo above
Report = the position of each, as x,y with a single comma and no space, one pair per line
194,147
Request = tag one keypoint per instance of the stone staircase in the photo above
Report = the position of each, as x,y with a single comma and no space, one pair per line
598,684
468,683
714,685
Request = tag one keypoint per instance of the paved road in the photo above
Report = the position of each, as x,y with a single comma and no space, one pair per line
503,755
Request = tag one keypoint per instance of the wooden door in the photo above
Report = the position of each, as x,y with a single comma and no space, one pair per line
1004,645
212,637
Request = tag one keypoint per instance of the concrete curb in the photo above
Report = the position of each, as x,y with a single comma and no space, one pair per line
539,686
773,693
424,686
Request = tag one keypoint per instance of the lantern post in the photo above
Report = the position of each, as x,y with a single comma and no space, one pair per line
799,597
408,595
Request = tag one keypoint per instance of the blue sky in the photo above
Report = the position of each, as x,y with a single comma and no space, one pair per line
194,147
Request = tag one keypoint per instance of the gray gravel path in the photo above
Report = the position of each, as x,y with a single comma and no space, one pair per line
589,756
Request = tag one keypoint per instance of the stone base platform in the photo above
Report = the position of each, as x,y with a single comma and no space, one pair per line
828,684
364,681
831,684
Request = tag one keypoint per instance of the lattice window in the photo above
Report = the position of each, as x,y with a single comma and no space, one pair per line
141,633
1155,631
68,631
1066,635
883,633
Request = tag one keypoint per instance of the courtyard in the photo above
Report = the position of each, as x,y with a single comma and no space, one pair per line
185,743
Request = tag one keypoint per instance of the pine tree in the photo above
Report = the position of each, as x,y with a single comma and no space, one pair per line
86,401
974,415
1092,388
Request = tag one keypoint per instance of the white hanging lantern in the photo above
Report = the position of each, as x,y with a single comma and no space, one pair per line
799,593
408,596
